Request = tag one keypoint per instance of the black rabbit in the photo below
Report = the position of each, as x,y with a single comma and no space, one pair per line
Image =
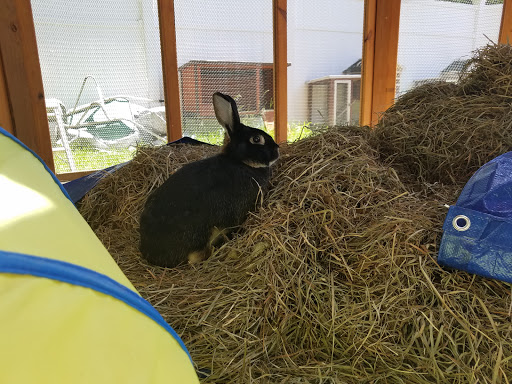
204,200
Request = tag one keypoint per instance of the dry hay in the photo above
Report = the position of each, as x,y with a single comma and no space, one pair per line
443,132
332,280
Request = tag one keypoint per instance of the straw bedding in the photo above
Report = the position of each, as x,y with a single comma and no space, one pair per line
334,278
443,132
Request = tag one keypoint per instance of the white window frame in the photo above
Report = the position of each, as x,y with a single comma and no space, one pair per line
349,97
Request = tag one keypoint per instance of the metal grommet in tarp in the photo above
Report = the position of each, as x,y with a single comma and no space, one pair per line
461,223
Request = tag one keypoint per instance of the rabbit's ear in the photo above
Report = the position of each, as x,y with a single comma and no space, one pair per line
226,111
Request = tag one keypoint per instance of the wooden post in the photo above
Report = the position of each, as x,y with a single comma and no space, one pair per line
380,48
69,176
5,107
24,84
170,69
370,9
280,71
506,23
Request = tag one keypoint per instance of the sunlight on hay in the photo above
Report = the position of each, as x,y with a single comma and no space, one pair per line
334,278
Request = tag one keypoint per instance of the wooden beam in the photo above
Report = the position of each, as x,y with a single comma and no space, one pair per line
5,106
280,71
385,59
381,27
370,10
170,69
506,23
23,77
69,176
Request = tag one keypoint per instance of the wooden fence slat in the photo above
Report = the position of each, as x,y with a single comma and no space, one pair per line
69,176
280,70
370,10
23,78
506,23
5,106
380,72
170,69
386,50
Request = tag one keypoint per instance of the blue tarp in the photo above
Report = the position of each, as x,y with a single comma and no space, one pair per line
478,228
79,187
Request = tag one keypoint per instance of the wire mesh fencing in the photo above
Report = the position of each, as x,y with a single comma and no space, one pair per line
224,46
102,76
437,37
325,41
102,69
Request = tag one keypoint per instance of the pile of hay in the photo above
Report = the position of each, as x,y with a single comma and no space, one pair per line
442,132
332,280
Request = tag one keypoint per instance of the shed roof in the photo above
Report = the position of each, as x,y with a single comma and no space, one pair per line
354,68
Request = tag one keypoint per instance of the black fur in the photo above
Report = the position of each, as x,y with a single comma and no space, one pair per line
217,192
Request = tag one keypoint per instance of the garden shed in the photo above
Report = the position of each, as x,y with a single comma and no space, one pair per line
335,99
199,79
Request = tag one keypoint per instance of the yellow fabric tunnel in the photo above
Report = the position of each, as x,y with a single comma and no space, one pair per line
68,314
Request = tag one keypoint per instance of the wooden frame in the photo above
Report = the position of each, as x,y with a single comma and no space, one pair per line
380,48
280,70
69,176
21,79
506,23
335,98
368,61
5,107
170,69
22,106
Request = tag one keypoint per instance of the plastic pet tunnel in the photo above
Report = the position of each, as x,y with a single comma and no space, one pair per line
67,312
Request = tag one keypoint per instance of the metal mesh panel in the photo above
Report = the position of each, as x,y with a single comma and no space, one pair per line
324,50
102,76
438,36
224,46
102,72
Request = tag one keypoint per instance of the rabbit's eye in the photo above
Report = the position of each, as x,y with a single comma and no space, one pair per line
258,139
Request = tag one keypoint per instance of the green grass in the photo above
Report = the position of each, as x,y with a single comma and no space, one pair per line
295,132
206,130
298,131
87,159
